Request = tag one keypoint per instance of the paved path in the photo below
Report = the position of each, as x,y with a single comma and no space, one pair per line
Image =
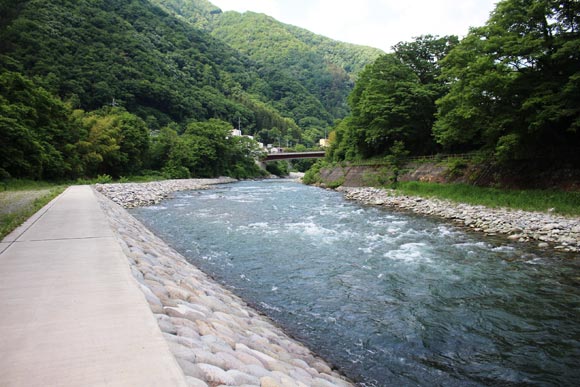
70,311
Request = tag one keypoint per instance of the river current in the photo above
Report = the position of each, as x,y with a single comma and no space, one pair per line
389,298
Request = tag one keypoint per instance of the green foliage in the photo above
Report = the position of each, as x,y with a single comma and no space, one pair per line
379,177
312,176
135,55
389,104
206,149
567,203
37,136
24,185
278,168
144,176
92,88
424,55
100,179
14,214
302,165
394,100
132,67
455,166
396,159
336,183
510,90
325,68
515,84
117,143
305,77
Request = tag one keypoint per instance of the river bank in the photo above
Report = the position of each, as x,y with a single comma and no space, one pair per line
559,232
131,195
215,336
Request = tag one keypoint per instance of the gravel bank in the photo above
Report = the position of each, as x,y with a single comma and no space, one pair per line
562,233
217,339
131,195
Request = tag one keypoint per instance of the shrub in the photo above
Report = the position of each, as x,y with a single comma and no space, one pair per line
455,167
176,172
278,168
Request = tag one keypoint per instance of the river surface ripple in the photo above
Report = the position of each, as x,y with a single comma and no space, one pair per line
390,298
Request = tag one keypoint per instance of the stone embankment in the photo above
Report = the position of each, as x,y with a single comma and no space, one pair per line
563,233
217,339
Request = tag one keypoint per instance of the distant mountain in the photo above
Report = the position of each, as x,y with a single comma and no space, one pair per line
325,67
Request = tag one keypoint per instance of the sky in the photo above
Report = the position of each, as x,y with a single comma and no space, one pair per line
375,23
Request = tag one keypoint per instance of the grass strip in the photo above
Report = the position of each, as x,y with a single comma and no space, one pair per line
561,202
13,218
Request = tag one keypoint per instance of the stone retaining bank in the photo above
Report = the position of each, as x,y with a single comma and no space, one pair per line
561,232
217,339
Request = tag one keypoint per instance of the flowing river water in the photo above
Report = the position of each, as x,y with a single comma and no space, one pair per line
389,298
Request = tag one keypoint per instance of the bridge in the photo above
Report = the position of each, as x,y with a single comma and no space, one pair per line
294,155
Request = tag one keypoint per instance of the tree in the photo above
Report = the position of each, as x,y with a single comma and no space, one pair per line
117,143
37,136
390,104
424,54
515,83
396,160
161,145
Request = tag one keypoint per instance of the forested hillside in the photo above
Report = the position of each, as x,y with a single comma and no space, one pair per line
325,68
509,90
95,87
81,79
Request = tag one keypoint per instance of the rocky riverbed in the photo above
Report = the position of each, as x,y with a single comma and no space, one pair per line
545,229
217,339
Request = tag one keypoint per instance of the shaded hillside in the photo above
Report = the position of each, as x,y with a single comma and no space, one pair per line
136,55
85,83
95,87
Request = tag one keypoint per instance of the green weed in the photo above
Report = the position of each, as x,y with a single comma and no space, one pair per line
561,202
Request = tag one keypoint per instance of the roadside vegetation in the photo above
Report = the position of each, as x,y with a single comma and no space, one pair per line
561,202
20,199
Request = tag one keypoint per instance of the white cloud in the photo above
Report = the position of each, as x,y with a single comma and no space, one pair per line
377,23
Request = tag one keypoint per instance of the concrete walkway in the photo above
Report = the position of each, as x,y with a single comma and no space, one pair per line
71,314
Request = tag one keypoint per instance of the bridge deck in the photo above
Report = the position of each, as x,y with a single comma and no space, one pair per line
295,155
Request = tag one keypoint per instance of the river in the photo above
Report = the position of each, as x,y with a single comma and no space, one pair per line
389,298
